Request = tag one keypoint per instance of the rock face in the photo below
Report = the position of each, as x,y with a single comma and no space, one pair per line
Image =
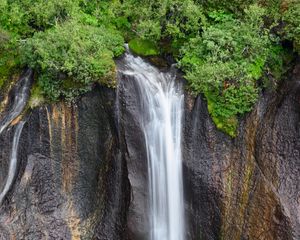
72,181
248,187
133,142
83,171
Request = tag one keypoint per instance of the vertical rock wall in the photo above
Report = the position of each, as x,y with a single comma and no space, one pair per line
72,182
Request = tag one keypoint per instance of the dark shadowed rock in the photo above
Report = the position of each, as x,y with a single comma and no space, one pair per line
134,151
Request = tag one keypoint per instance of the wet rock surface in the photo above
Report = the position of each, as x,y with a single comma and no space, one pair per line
134,151
72,182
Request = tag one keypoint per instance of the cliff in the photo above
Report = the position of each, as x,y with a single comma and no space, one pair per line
82,170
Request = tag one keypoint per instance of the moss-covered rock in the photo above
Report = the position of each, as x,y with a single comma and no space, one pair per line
143,47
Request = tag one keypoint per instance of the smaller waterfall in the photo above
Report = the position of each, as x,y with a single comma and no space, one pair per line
20,100
162,104
13,162
21,97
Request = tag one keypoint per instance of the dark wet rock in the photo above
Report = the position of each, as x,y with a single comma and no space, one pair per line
134,151
72,182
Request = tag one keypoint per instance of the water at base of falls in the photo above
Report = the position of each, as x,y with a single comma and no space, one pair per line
162,101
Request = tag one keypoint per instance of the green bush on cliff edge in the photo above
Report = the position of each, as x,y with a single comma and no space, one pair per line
226,61
71,57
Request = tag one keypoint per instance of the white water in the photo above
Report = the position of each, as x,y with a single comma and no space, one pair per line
162,101
20,100
13,162
19,103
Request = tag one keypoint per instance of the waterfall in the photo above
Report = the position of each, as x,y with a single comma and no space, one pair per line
19,102
13,162
162,104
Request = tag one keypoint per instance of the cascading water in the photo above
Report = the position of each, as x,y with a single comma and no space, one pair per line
20,100
18,105
162,101
13,162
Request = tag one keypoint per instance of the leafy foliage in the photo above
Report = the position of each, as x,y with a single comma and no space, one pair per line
291,18
24,17
75,53
172,21
9,58
225,62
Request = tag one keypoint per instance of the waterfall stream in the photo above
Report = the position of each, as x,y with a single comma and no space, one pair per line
13,162
162,104
19,102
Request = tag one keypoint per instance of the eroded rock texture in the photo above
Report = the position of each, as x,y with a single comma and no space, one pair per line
72,182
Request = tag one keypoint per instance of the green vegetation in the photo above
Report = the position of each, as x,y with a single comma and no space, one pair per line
225,62
291,18
164,22
9,58
36,96
228,50
143,47
80,54
68,48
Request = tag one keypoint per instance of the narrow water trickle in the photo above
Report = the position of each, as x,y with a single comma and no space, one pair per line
19,102
22,93
13,165
162,103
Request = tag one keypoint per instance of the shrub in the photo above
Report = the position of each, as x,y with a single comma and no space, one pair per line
225,62
291,18
24,17
9,57
72,56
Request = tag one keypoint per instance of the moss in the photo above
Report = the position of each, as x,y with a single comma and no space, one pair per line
36,97
143,47
8,66
69,84
227,125
110,79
